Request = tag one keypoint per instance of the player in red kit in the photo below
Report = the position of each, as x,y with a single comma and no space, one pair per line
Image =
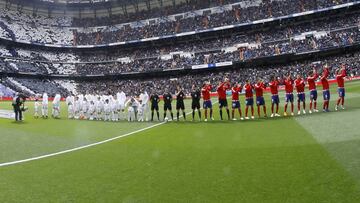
249,98
221,90
340,74
326,91
289,96
205,91
260,101
312,76
274,89
300,88
235,91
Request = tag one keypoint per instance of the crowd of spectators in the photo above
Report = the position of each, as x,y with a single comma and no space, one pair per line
246,12
32,87
57,30
21,26
161,84
154,12
318,35
334,40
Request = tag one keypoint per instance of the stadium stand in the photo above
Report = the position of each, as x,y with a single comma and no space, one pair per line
159,84
35,66
24,27
319,35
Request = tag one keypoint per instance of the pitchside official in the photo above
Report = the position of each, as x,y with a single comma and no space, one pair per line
18,105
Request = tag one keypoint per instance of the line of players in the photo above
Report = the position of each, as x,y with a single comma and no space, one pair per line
96,107
299,84
109,108
42,108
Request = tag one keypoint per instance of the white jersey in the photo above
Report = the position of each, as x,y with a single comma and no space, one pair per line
107,108
114,106
70,109
45,99
135,104
77,105
84,106
57,99
69,99
81,97
144,97
99,106
121,97
92,109
36,108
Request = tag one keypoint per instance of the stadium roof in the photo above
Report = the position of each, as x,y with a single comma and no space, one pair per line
82,2
75,1
85,7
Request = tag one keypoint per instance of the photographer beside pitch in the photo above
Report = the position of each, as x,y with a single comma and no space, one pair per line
19,106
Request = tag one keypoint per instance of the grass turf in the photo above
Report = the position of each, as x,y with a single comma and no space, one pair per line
300,159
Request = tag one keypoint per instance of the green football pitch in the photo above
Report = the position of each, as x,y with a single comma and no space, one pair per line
307,158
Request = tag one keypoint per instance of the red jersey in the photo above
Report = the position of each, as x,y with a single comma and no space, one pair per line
206,92
326,72
235,93
221,90
324,82
274,87
289,86
340,78
248,91
300,85
311,80
259,89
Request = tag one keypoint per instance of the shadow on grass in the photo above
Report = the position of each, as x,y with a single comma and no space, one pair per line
18,122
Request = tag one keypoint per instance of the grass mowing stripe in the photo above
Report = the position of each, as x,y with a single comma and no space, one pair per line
198,162
37,139
77,148
337,132
85,146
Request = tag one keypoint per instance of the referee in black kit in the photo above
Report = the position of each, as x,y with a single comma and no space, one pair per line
167,97
195,102
180,103
154,98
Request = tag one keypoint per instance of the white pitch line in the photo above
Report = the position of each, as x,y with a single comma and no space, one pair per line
83,147
78,148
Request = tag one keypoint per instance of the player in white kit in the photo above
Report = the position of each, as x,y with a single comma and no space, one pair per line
77,108
114,109
99,109
84,109
121,99
56,106
70,100
44,105
37,107
91,110
132,105
144,107
107,110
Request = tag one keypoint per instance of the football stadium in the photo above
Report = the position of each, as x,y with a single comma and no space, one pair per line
179,101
